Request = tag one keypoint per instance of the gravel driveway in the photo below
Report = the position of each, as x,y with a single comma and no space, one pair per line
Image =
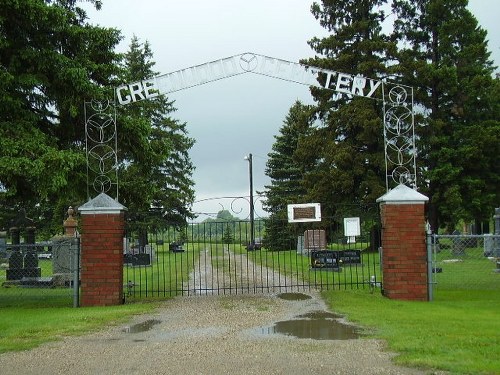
207,335
211,334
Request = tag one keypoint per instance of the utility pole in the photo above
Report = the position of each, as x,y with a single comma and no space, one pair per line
252,219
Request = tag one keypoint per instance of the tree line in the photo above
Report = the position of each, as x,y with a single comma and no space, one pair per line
332,151
52,60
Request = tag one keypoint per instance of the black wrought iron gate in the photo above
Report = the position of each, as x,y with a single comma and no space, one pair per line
217,257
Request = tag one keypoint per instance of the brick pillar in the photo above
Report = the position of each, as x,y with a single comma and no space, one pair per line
103,229
404,251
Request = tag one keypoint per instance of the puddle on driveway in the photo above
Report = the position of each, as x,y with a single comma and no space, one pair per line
316,325
294,296
141,327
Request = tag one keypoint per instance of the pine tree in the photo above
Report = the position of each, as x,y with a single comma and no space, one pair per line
443,54
155,169
346,153
286,172
51,61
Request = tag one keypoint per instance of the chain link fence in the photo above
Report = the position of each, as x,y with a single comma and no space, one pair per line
465,262
40,274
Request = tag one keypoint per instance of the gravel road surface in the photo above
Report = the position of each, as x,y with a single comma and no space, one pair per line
207,335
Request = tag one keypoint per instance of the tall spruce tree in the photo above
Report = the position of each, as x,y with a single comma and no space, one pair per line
346,153
286,173
443,54
51,61
155,169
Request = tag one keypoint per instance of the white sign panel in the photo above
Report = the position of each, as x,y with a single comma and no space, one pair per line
303,213
352,226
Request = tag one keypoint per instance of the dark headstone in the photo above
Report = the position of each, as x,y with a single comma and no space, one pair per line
327,259
16,260
30,259
350,256
176,247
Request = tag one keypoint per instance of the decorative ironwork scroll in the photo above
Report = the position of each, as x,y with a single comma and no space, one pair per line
101,146
235,205
399,134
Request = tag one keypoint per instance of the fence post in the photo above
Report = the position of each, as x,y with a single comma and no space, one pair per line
103,228
430,263
75,265
496,241
404,256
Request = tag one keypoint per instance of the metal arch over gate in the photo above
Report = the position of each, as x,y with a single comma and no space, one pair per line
397,100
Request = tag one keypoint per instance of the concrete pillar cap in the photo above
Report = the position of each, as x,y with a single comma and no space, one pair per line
402,194
104,204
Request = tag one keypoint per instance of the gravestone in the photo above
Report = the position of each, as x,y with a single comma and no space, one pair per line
138,254
489,245
23,261
3,245
314,240
350,256
64,259
177,247
457,244
15,270
300,245
65,252
325,259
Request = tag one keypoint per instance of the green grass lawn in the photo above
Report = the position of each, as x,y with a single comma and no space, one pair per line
16,296
468,271
299,268
165,276
23,328
459,332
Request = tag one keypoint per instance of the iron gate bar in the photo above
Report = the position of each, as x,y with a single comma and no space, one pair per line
210,265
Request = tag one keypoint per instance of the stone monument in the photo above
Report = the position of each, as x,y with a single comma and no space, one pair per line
65,251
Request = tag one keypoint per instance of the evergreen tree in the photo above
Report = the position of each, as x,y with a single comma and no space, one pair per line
286,173
283,167
227,236
155,169
443,54
346,153
51,61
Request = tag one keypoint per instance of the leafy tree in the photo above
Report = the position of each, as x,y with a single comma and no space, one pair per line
51,61
443,54
225,215
345,155
155,167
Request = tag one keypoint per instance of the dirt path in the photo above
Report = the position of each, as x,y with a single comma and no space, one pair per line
221,271
207,335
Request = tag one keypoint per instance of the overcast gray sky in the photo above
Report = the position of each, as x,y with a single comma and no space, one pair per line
239,115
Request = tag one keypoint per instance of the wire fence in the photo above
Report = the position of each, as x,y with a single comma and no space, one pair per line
465,262
40,274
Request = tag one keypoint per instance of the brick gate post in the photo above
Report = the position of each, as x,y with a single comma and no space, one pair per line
404,252
103,229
